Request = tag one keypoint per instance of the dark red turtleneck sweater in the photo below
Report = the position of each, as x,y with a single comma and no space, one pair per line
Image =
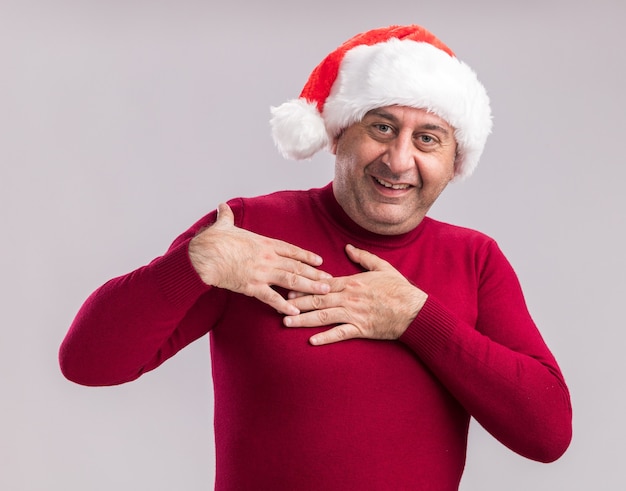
359,414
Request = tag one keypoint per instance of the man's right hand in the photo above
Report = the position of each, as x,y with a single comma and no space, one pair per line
229,257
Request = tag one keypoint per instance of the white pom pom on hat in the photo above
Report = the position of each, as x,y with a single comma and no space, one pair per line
396,65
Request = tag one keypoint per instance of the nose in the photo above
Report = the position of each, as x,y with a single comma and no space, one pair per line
400,154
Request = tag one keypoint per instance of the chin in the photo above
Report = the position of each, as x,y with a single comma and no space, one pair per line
390,226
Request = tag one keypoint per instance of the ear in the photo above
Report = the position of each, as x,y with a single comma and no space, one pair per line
333,145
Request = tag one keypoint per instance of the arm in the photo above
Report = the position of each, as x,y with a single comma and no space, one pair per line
500,369
135,322
514,390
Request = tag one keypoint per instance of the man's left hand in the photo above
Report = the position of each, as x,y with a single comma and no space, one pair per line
379,303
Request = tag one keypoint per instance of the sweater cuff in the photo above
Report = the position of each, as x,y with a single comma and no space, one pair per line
430,330
177,278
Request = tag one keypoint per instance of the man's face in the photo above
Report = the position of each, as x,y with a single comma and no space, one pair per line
391,166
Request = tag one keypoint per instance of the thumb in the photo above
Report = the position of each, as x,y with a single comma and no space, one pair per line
225,215
366,259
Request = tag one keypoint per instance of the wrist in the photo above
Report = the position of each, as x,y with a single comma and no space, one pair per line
200,260
416,302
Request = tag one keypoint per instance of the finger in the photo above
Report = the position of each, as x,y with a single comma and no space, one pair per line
316,318
225,215
295,282
300,268
293,294
307,303
275,300
291,251
369,261
334,335
335,285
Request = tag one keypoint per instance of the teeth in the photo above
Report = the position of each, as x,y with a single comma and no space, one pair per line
391,186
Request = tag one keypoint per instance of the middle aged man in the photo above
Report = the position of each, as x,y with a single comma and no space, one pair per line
352,337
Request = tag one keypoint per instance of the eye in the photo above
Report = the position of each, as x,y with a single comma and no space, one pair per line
426,139
382,132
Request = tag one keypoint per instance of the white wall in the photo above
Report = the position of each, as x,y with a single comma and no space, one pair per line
122,122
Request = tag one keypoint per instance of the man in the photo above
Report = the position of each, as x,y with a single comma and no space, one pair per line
352,337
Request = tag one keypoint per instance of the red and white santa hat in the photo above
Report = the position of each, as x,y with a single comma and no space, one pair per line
396,65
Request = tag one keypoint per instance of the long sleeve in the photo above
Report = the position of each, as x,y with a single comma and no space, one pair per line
500,370
135,322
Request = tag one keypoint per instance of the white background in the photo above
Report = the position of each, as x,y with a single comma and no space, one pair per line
122,122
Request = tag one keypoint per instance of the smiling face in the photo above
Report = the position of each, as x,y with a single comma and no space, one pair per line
391,166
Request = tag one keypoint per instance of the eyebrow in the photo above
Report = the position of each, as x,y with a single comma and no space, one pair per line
390,117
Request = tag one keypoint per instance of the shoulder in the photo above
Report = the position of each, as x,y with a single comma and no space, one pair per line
455,240
457,244
447,232
278,198
279,205
275,210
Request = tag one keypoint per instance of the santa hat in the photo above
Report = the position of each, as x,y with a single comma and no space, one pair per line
396,65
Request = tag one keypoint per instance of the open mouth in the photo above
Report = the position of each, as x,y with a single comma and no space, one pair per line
389,185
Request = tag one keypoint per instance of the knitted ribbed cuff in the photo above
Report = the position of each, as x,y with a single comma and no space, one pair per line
177,277
430,330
